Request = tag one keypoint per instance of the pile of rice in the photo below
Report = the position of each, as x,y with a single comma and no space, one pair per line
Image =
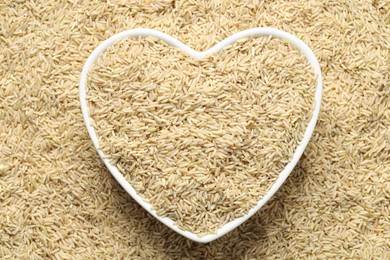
201,140
58,201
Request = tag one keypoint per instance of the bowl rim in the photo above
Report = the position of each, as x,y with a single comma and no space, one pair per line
253,32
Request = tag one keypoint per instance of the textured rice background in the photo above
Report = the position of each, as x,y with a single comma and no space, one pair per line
58,201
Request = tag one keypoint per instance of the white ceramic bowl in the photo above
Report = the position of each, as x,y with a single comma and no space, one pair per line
254,32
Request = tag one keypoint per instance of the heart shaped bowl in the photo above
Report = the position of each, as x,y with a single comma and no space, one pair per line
254,32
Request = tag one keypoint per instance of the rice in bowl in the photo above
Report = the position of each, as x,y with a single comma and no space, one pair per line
201,140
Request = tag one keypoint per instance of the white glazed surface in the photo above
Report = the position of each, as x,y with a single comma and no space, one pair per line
254,32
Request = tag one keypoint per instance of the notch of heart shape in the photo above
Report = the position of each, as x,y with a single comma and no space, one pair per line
254,32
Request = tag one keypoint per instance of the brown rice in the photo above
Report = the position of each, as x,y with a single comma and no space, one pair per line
201,140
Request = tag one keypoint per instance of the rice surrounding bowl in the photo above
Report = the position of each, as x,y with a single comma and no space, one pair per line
58,201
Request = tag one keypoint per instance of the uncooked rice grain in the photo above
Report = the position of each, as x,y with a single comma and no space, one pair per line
58,201
201,140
